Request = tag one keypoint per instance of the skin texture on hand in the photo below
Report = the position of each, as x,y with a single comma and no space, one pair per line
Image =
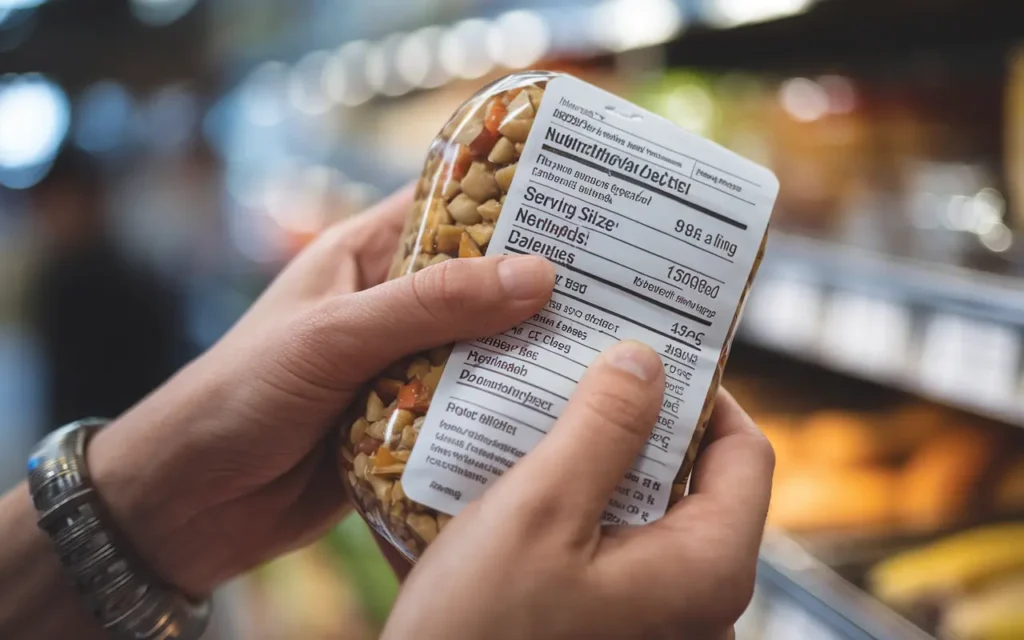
529,559
232,461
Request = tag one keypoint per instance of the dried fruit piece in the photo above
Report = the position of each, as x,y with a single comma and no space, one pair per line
415,397
468,248
447,240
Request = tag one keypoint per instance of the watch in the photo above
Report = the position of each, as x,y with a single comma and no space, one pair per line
127,599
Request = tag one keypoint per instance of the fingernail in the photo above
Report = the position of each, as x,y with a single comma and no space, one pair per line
636,359
526,277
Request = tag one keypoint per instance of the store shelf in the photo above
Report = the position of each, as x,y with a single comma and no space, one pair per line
949,334
803,598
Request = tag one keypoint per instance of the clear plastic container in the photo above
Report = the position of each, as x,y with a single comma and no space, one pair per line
468,171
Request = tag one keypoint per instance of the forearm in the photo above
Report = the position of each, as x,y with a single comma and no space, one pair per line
36,602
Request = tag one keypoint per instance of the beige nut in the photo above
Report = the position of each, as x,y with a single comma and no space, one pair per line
360,464
382,489
479,183
481,233
450,189
536,94
468,132
423,525
408,438
417,368
378,430
516,130
519,148
520,107
463,209
438,259
374,407
505,176
358,430
447,239
490,210
504,152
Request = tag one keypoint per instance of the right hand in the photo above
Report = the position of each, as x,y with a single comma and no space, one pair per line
530,560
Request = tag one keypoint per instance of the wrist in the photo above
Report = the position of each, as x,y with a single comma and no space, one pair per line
140,468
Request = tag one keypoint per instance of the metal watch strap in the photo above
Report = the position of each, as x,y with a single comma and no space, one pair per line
128,600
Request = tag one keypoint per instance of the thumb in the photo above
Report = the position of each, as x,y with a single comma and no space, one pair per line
353,337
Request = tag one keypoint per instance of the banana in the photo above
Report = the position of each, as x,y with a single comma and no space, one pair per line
950,566
994,613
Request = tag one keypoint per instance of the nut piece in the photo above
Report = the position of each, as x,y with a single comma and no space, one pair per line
479,183
450,189
368,445
381,488
359,465
516,130
358,430
408,438
438,259
401,419
423,525
520,107
489,210
481,233
447,239
469,132
417,368
503,152
463,209
433,377
374,407
468,248
505,177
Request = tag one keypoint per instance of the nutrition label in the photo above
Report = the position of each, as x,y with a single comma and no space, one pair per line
653,232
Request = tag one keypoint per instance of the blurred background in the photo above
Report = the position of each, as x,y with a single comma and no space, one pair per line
160,160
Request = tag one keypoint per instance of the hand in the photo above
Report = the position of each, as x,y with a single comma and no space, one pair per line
230,463
529,560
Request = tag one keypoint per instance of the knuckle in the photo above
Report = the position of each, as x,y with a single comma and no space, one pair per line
439,290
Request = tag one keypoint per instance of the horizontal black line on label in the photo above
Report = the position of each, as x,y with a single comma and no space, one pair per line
582,324
575,196
519,380
475,345
628,244
658,462
643,185
675,398
620,316
498,395
629,292
503,415
676,289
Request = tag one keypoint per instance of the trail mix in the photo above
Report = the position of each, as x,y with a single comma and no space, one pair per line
468,173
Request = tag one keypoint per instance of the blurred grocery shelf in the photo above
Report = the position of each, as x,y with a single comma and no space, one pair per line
946,333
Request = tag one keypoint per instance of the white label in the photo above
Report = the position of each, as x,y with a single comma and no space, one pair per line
653,232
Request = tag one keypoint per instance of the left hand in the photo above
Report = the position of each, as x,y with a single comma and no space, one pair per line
230,463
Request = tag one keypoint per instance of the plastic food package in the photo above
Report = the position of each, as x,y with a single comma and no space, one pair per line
583,170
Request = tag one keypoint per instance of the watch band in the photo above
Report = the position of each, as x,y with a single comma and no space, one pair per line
128,601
